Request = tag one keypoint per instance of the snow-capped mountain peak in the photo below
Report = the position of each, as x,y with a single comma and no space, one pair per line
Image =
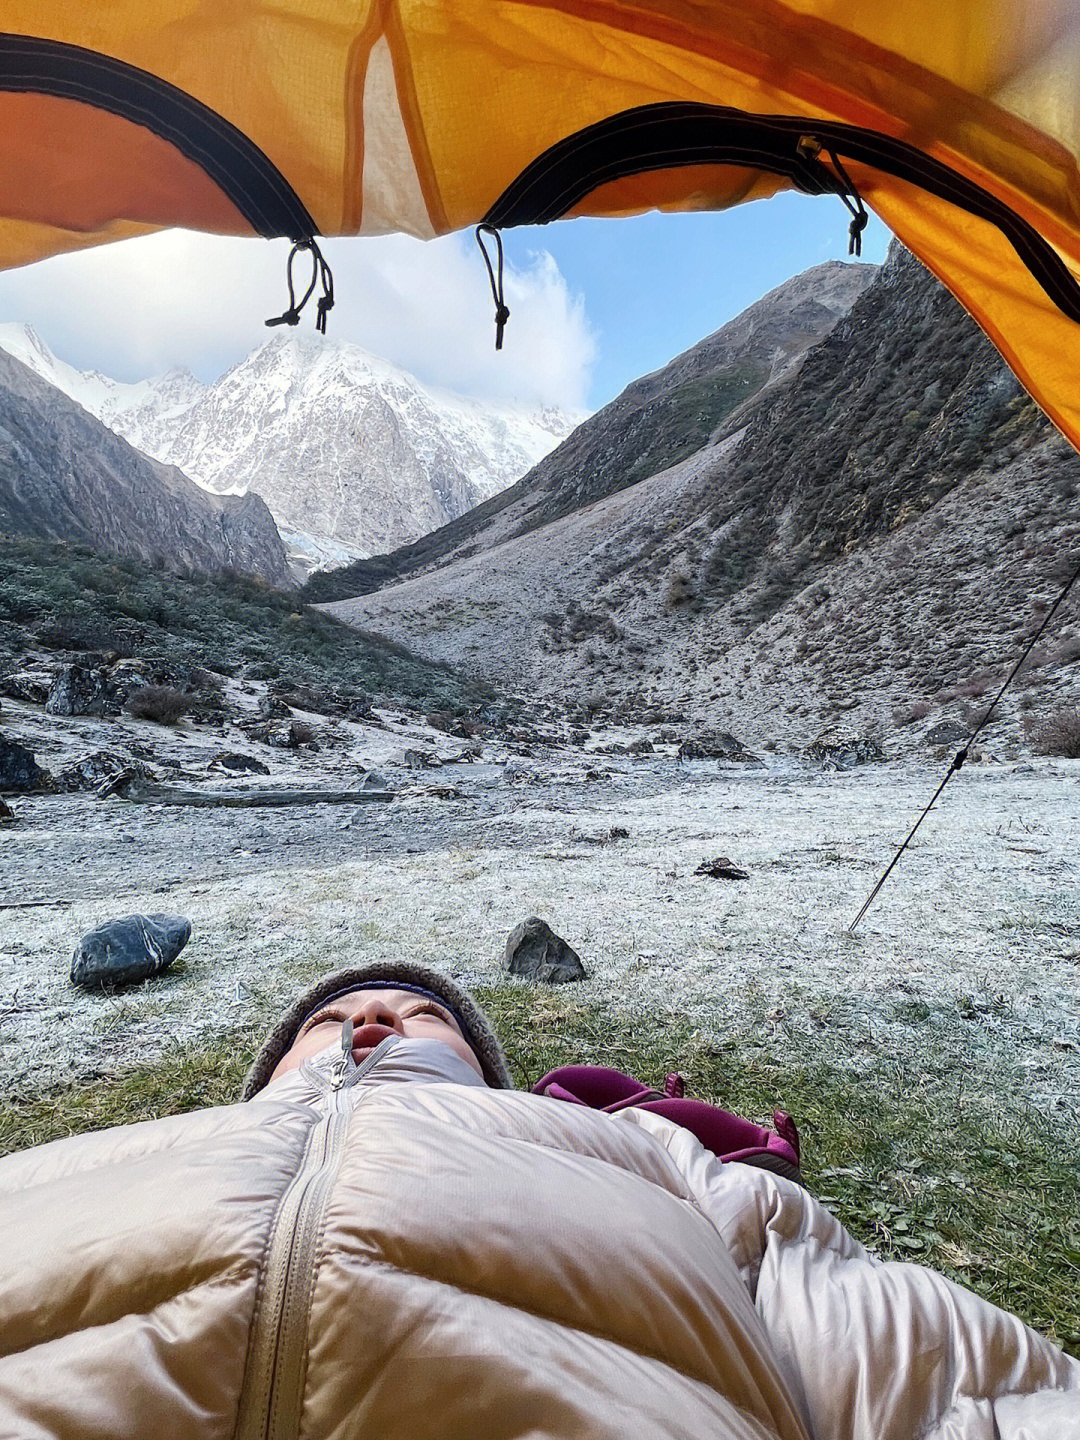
352,454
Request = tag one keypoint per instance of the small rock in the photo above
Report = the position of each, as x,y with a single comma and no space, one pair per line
236,761
272,707
419,759
124,783
515,770
618,832
30,686
579,737
286,734
78,691
19,771
535,952
7,815
125,951
374,781
721,869
643,746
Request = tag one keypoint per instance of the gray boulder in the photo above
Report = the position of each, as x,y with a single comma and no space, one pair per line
125,951
7,815
237,762
721,868
92,771
78,691
19,771
718,745
841,749
535,952
947,732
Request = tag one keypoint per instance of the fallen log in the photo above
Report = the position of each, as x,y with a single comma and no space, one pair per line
147,792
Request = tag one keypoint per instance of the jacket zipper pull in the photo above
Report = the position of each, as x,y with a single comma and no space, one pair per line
344,1060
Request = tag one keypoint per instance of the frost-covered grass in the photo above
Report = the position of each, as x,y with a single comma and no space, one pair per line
932,1059
986,1192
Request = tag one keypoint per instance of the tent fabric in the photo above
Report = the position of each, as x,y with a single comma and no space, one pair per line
309,117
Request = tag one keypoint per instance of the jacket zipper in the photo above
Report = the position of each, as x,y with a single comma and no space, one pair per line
277,1363
675,134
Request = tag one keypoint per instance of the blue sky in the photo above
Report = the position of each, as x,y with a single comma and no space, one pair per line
595,303
656,284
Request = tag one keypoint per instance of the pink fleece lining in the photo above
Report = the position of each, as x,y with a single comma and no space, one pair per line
726,1135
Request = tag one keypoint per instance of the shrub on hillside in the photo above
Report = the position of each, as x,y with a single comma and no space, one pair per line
678,590
1060,735
161,703
919,711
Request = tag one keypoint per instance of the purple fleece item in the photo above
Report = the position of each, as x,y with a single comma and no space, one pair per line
728,1137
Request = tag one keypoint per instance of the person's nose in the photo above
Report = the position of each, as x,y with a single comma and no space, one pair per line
376,1012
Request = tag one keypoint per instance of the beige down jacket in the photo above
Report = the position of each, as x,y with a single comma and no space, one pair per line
399,1253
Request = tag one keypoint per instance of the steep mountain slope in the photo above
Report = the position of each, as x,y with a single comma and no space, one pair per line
873,541
65,476
657,421
350,453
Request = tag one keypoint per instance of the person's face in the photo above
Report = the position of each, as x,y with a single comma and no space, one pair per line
375,1015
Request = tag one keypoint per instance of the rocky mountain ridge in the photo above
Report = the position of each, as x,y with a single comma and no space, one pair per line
65,476
351,453
658,420
869,541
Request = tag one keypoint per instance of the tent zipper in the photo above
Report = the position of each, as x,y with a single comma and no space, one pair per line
676,134
277,1361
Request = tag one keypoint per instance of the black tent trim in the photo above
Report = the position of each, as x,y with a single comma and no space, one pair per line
674,135
234,163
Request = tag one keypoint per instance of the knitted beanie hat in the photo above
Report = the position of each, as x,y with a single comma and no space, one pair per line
383,974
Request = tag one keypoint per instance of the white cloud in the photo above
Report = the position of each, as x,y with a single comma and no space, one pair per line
143,306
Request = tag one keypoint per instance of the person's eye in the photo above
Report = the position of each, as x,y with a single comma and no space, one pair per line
322,1018
429,1009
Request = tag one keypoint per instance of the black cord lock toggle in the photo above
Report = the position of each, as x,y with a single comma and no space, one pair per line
320,274
502,313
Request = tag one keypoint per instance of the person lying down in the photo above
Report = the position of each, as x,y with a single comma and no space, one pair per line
384,1238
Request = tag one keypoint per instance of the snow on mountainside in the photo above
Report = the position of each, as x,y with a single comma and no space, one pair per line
352,454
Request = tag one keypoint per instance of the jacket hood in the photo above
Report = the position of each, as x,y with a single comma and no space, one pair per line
475,1025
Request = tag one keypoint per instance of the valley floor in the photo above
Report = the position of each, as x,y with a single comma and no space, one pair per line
972,949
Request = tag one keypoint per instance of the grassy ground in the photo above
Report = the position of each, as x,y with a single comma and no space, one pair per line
66,598
983,1191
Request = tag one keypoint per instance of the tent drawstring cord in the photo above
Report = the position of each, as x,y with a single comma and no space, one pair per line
502,314
853,200
320,274
962,754
810,147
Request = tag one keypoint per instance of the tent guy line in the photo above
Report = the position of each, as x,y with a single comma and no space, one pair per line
962,754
